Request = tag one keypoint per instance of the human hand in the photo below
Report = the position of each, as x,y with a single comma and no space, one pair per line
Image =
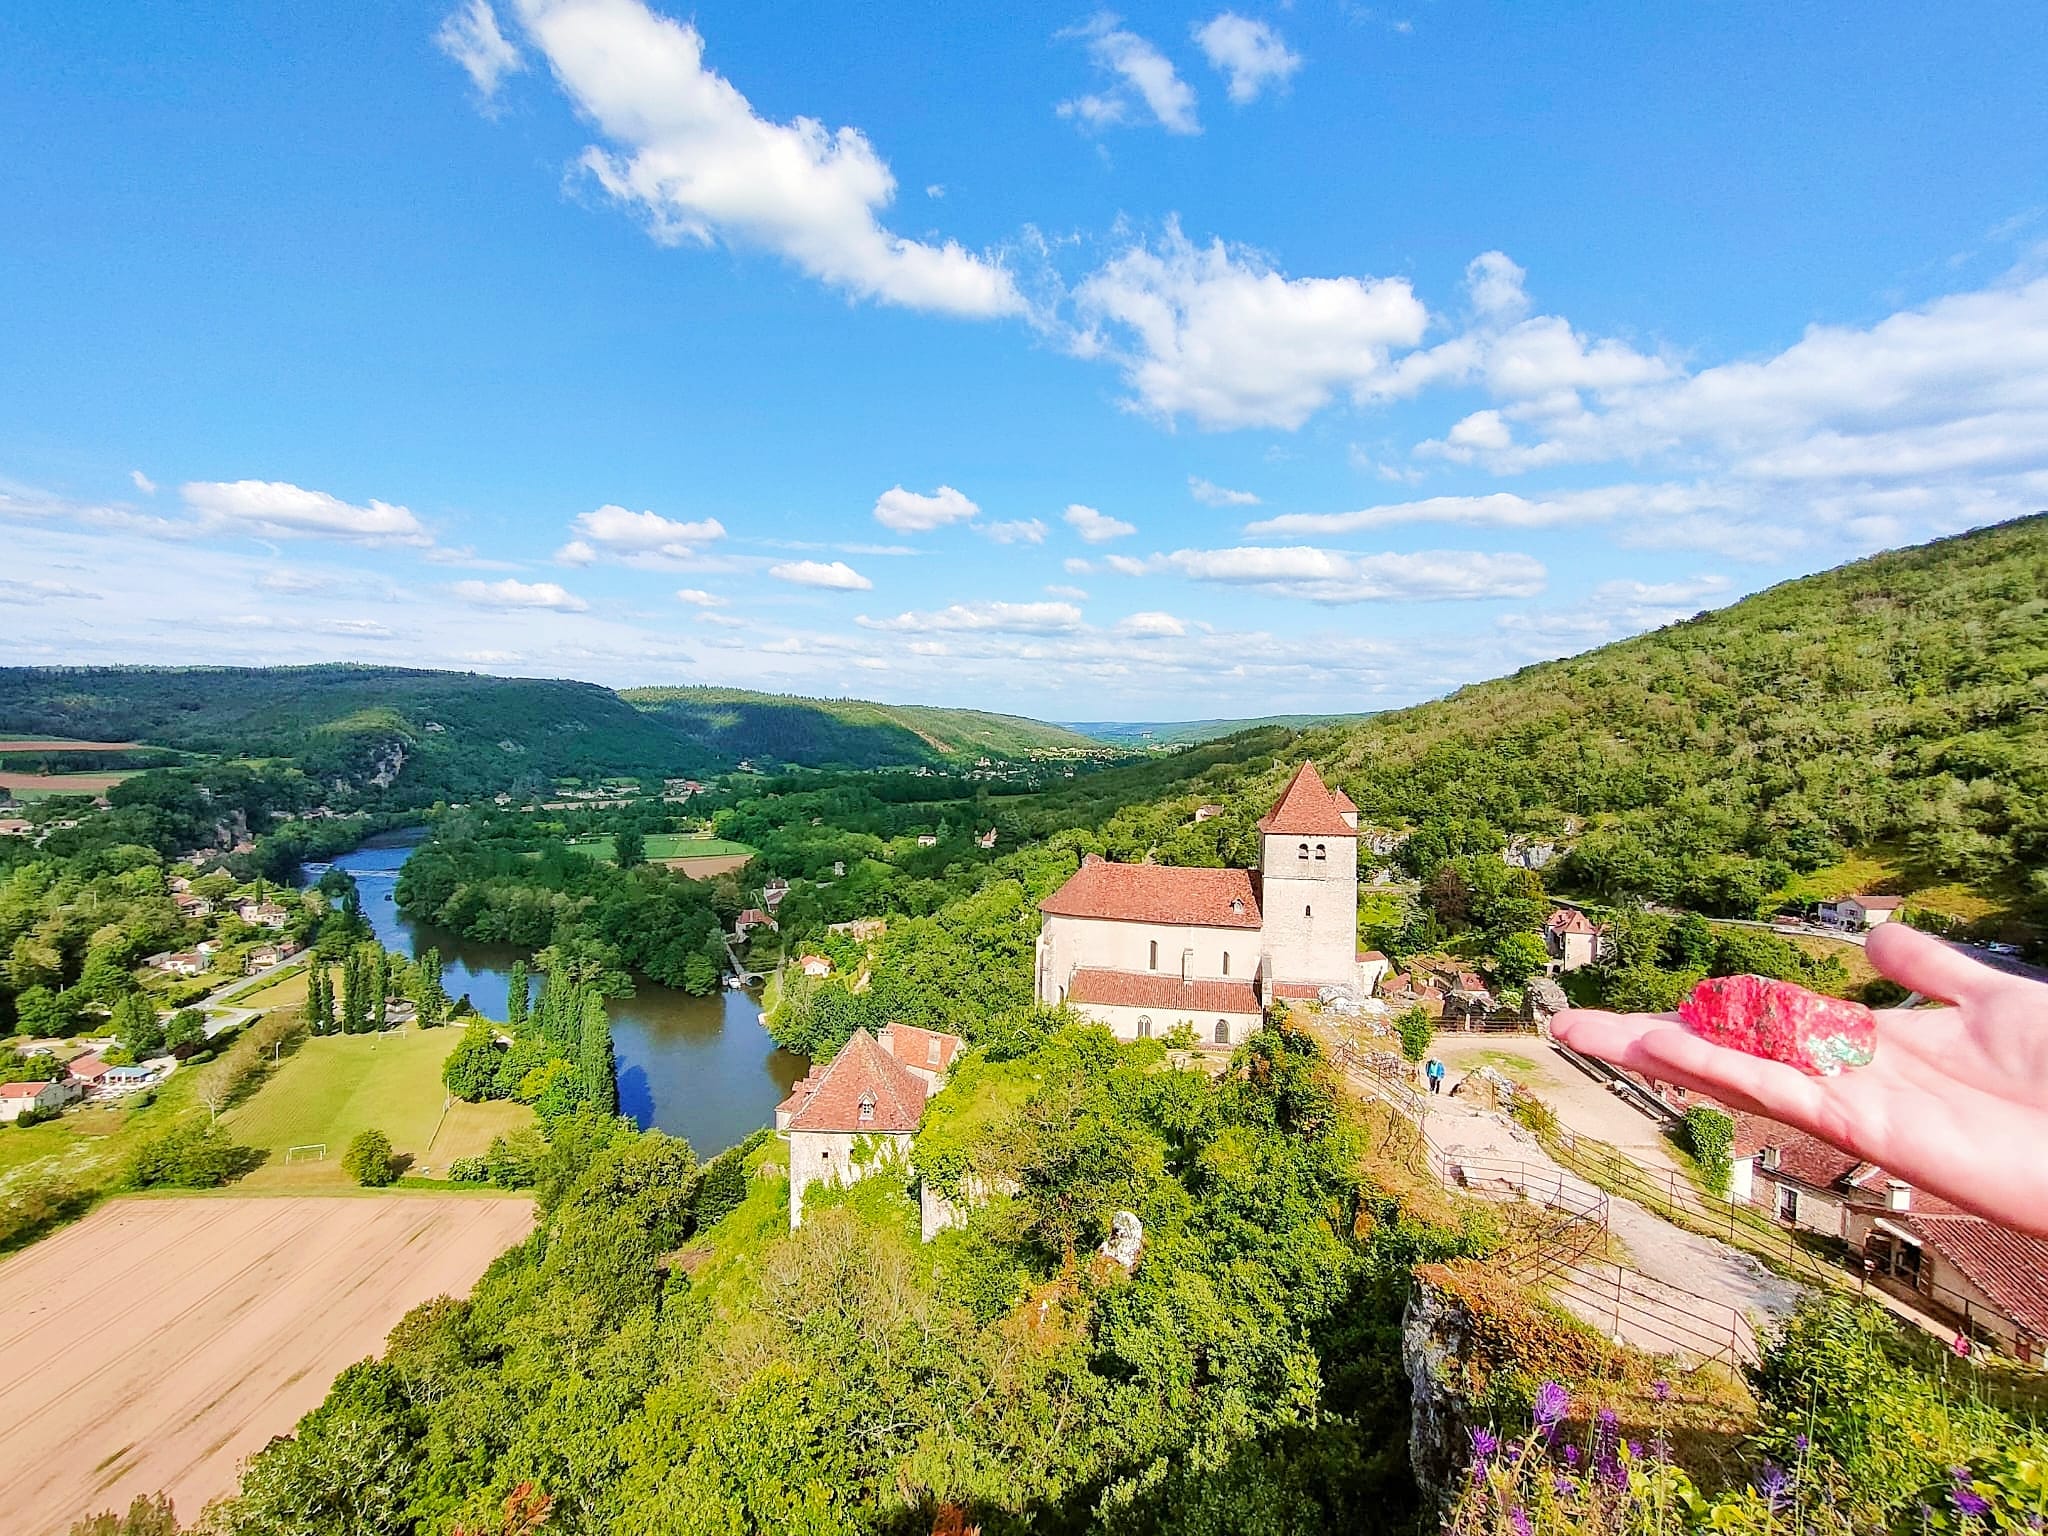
1955,1102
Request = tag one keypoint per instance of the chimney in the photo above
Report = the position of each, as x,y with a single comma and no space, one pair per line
1898,1195
1770,1159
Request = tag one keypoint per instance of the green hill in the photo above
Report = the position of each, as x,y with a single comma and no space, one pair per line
845,733
1895,708
1187,733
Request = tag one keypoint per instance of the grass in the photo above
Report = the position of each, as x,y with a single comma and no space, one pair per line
88,1146
337,1086
666,845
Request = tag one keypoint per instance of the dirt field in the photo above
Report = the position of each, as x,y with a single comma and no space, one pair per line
57,744
62,783
708,866
158,1343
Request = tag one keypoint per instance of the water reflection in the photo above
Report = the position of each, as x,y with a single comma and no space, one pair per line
698,1067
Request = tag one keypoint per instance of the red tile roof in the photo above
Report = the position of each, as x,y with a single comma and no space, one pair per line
1308,808
830,1099
1801,1157
1305,990
1169,994
1569,920
21,1090
1157,893
2009,1267
1879,903
915,1047
1373,954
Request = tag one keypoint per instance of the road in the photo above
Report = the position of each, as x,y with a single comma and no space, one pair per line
2012,965
220,1018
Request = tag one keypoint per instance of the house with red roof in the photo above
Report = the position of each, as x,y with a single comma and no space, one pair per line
858,1113
1144,947
18,1099
1857,913
1572,938
751,919
1983,1279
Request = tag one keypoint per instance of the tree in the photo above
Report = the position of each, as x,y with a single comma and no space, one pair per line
320,998
135,1023
1416,1031
40,1011
600,1081
355,1008
429,996
1519,956
380,988
148,1515
516,1000
193,1154
471,1069
186,1032
629,848
368,1160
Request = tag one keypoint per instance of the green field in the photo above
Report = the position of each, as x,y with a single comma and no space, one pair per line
336,1086
667,845
89,1145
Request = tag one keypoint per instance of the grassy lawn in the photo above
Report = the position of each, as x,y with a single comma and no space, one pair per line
89,1145
667,845
339,1085
285,992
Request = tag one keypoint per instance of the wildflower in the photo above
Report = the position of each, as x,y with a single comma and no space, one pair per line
1561,1485
1484,1444
1571,1455
1519,1519
1605,1425
1551,1405
1773,1482
1801,1442
1608,1468
1967,1500
1661,1390
1635,1450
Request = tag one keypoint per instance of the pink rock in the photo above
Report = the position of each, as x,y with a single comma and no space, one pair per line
1781,1021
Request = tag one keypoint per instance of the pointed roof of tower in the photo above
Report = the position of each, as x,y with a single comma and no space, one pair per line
1308,807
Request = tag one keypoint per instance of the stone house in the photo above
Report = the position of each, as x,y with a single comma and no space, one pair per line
857,1114
1572,938
17,1099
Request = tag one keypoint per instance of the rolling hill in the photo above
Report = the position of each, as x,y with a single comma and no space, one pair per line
1188,733
1895,708
845,733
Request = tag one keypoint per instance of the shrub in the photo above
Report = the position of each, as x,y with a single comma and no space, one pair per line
469,1170
191,1155
1711,1135
31,1208
724,1184
512,1158
368,1160
1416,1031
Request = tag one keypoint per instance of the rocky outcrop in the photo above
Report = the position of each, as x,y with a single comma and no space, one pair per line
1436,1340
385,763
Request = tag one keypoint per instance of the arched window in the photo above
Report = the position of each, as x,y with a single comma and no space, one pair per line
1304,852
1144,1026
1308,912
1322,853
1155,954
1226,962
1223,1031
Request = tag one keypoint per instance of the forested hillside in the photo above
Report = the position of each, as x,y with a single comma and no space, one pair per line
844,733
447,734
1897,706
1187,733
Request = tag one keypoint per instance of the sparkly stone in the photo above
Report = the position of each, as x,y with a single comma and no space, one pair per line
1781,1021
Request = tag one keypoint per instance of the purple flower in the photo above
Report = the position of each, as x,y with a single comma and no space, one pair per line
1773,1482
1484,1445
1605,1425
1561,1485
1551,1405
1801,1442
1661,1390
1635,1451
1519,1519
1968,1500
1608,1468
1571,1455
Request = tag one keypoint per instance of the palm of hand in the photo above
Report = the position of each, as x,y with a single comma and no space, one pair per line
1955,1101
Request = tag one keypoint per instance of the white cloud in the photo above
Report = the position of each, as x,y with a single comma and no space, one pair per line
1028,530
688,151
470,36
1216,334
935,190
1074,565
519,594
1251,53
1142,73
722,620
1331,576
1071,594
1210,494
1125,565
999,618
1152,624
642,537
1661,593
1505,509
910,512
142,482
837,575
1096,527
276,509
42,591
697,597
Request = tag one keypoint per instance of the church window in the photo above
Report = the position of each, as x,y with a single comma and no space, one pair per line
867,1108
1322,853
1308,912
1155,954
1226,962
1144,1026
1223,1031
1304,852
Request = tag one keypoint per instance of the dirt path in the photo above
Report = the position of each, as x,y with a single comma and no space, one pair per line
158,1343
1589,1107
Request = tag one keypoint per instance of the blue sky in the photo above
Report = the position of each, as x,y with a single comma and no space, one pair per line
1163,362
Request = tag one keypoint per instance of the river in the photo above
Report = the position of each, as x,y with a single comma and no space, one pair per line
697,1067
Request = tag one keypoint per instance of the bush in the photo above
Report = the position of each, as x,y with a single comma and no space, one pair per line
191,1155
724,1184
469,1170
30,1209
368,1160
1711,1135
1416,1031
512,1159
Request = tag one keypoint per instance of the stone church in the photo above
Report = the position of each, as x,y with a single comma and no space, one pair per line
1143,947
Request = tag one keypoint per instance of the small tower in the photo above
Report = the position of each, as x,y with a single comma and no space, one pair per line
1308,861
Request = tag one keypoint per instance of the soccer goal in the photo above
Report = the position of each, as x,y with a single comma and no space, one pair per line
310,1152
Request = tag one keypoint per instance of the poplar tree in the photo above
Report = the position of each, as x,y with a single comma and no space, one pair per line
320,1000
429,994
595,1061
355,1009
516,1000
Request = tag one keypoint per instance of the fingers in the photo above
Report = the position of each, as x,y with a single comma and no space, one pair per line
1922,963
1659,1047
